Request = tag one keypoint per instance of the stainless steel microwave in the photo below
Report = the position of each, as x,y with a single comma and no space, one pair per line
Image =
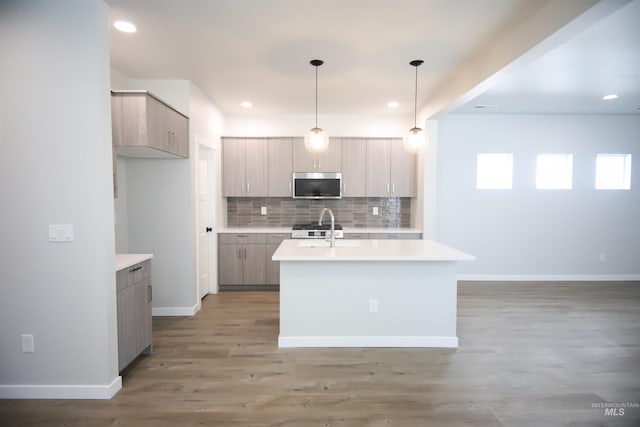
317,185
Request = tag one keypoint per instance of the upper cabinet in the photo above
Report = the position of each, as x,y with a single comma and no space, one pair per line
144,126
354,167
391,170
245,167
280,166
329,161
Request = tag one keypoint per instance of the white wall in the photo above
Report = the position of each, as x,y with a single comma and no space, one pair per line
55,158
529,233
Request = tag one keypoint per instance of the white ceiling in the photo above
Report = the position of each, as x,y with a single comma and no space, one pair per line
572,78
259,50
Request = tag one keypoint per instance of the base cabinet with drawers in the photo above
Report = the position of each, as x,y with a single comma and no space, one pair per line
134,295
241,259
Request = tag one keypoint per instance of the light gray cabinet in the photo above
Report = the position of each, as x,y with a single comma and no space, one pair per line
134,295
280,166
273,267
144,126
356,236
241,259
354,167
329,161
245,167
391,170
395,236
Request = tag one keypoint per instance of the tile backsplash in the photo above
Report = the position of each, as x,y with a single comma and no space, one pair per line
348,211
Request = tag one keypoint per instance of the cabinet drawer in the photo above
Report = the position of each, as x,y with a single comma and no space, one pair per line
277,238
130,275
357,236
239,238
395,236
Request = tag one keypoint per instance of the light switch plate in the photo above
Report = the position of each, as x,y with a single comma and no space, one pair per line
61,232
263,210
375,210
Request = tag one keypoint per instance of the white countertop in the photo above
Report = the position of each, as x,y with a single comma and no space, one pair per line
287,230
368,250
127,260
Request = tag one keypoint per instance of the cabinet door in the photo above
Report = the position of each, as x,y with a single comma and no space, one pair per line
303,160
129,119
158,128
254,268
354,167
142,302
179,126
403,170
280,166
378,161
126,326
272,267
233,167
330,160
230,264
257,171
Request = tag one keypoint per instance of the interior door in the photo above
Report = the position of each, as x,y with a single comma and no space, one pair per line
205,221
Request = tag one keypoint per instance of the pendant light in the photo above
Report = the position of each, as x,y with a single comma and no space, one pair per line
316,140
415,140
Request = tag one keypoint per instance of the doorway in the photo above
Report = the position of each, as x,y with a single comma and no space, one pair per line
207,242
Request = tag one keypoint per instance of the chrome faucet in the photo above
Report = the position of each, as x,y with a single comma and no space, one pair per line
333,225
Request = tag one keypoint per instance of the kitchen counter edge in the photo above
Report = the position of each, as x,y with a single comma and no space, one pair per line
127,260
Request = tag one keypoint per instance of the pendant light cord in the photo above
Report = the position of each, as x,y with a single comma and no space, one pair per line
415,102
316,67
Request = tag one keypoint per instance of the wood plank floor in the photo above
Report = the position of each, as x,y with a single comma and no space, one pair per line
531,354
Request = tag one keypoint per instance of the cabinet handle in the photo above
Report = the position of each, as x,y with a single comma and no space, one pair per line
239,253
131,270
248,187
314,163
289,187
149,293
387,188
245,253
393,188
243,188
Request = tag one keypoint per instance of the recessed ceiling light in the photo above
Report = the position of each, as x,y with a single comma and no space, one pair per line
124,26
609,97
246,104
393,104
481,106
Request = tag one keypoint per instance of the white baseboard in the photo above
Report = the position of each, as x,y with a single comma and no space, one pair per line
368,341
549,277
175,311
61,391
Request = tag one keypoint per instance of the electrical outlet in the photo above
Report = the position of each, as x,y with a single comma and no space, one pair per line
61,232
375,210
373,306
27,343
263,210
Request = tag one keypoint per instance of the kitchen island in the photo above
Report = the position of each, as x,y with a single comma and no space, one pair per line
368,293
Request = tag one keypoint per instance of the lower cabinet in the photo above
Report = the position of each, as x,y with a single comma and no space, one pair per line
244,259
241,259
134,294
273,267
395,236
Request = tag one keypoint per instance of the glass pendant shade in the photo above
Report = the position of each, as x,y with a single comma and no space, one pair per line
415,140
316,140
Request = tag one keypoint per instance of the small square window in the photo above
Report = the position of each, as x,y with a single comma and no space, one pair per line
494,171
554,172
613,171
